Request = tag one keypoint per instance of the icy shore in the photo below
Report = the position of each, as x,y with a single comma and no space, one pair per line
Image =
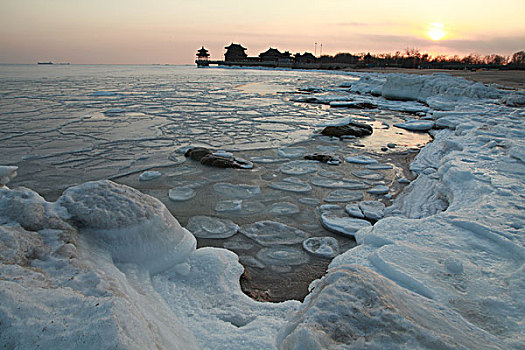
106,266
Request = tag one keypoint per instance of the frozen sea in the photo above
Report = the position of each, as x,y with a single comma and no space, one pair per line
439,261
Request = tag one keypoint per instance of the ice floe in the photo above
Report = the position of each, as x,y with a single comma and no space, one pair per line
322,246
283,208
360,160
291,184
211,227
241,191
292,152
416,125
379,189
354,210
149,175
299,167
181,193
343,195
372,209
269,233
338,183
346,226
282,257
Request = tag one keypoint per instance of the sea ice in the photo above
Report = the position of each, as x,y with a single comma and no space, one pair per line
299,167
292,152
368,175
380,189
283,208
343,195
211,227
354,210
239,207
372,209
291,184
285,256
416,125
335,183
269,233
312,202
133,227
181,193
149,175
360,160
7,173
346,226
322,246
241,191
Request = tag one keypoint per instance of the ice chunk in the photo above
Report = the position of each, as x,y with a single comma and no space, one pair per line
149,175
416,125
361,160
132,226
283,208
282,256
368,175
181,193
379,166
292,184
299,167
335,183
323,246
271,233
241,191
343,195
7,173
353,210
239,206
380,189
346,226
211,227
372,209
292,152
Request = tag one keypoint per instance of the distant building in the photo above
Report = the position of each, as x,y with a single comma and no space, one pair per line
275,55
202,54
235,52
306,57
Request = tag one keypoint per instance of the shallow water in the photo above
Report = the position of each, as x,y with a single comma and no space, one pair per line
64,125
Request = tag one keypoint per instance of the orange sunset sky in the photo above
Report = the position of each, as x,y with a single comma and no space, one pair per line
164,31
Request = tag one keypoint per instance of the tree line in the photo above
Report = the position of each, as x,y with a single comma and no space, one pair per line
413,58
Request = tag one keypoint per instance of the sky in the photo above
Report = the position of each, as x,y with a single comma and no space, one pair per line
171,31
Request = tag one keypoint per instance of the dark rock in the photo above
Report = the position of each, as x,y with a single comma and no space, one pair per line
206,157
353,128
323,158
197,153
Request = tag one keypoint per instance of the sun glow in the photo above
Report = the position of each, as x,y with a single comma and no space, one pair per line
436,31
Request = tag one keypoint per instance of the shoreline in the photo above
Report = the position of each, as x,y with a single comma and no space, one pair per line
509,79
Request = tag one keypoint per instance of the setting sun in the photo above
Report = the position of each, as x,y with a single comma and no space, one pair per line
436,31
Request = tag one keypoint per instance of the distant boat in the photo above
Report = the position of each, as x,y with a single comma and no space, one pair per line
45,62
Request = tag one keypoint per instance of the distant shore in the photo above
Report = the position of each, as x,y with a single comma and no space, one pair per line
511,79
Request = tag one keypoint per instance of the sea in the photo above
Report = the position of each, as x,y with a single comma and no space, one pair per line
63,125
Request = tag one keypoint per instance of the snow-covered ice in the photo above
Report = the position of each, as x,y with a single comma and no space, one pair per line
443,270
